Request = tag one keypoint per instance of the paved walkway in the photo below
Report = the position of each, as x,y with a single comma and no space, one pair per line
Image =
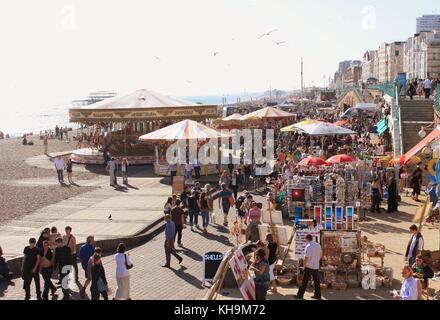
132,210
148,279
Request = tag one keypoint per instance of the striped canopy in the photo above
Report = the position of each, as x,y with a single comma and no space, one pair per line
318,128
235,117
269,113
342,158
184,130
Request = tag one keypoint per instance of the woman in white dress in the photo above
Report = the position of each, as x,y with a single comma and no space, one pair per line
123,264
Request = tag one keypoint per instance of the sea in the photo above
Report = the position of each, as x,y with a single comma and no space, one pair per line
25,121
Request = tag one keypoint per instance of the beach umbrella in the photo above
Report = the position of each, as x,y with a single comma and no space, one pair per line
313,162
184,130
269,113
318,128
342,158
399,160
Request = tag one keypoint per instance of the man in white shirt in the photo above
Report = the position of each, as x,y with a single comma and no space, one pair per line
409,290
59,166
427,88
312,258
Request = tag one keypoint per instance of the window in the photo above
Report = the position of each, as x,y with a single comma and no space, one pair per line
397,53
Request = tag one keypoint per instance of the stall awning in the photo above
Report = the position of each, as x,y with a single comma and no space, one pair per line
428,139
382,126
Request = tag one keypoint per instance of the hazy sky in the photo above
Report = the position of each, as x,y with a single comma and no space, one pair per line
53,51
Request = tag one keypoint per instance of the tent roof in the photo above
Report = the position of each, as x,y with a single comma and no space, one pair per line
418,147
235,116
184,130
317,128
140,99
269,112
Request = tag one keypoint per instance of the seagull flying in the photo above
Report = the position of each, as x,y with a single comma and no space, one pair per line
279,42
156,57
267,33
110,217
216,53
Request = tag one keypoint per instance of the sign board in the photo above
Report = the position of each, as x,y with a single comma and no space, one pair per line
339,218
318,214
328,215
277,217
178,184
264,229
300,241
349,213
211,263
336,243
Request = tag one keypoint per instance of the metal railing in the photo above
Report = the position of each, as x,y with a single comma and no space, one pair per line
437,98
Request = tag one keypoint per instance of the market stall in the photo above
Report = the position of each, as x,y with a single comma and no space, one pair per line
187,130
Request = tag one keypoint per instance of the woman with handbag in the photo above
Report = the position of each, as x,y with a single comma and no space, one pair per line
99,281
123,264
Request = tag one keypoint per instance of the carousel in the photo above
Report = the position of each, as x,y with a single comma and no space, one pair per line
114,125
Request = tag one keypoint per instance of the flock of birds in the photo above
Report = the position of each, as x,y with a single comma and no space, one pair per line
216,53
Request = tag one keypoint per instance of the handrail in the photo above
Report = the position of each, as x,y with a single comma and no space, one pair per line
437,98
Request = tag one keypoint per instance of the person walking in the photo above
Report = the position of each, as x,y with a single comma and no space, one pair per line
197,169
85,253
210,197
70,240
45,235
224,178
59,166
63,261
261,275
99,281
204,210
172,167
168,206
376,195
123,264
189,167
46,270
416,180
193,210
412,89
415,245
69,169
124,170
235,183
272,259
226,200
253,220
30,269
427,88
247,172
111,168
312,257
392,195
178,217
170,234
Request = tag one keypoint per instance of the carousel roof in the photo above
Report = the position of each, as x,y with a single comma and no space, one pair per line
268,113
140,99
235,117
184,130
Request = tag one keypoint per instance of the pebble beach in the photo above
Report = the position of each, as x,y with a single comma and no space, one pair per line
17,199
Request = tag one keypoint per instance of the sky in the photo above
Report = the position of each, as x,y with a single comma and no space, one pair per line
54,51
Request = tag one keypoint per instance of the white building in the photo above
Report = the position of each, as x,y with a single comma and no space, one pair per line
428,22
368,65
422,55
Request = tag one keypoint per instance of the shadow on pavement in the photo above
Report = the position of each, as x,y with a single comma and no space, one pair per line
188,278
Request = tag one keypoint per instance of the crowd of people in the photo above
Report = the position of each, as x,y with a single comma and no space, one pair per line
420,87
55,257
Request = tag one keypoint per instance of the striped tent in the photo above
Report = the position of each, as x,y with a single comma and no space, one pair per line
318,128
184,130
269,113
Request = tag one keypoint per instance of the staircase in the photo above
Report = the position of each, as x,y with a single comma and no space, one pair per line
415,114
